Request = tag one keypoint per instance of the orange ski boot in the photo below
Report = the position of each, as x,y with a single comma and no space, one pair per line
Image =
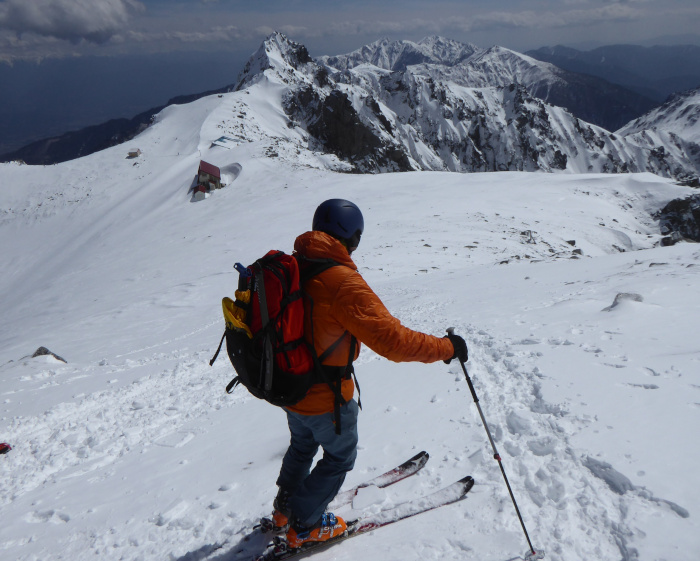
328,527
281,514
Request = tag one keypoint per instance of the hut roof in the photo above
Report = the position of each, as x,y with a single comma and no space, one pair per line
206,167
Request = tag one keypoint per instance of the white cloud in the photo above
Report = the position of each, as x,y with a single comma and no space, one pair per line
73,20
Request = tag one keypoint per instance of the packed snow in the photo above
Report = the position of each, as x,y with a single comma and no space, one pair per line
582,334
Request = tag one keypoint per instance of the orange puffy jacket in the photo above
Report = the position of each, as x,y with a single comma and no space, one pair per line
343,301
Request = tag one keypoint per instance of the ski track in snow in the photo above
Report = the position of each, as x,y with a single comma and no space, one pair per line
74,438
552,476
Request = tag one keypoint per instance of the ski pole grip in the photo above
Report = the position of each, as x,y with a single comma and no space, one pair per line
450,331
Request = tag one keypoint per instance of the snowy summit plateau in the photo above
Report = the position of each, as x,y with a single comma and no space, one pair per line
571,268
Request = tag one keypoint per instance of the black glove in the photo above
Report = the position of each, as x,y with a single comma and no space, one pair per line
460,346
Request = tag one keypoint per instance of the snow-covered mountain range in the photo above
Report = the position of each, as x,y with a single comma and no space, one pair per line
436,104
443,105
398,55
591,99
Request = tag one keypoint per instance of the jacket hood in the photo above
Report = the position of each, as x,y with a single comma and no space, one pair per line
319,245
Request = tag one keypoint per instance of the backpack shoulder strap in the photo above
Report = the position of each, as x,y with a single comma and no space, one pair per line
309,268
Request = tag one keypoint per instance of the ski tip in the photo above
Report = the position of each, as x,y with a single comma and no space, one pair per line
417,461
420,456
468,482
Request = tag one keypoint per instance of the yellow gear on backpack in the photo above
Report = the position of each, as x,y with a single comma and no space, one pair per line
235,315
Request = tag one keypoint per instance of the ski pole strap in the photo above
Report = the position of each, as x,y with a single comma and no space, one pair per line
338,390
232,384
359,393
218,350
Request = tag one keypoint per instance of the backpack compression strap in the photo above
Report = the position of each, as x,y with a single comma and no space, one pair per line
267,362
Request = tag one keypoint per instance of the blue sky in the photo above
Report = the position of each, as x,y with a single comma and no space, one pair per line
40,28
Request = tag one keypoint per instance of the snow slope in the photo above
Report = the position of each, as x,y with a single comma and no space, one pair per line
133,451
675,125
680,116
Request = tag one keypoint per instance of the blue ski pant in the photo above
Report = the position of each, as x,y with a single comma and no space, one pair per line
312,490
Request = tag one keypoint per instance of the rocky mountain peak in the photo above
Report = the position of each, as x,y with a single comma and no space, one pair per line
277,53
397,55
447,51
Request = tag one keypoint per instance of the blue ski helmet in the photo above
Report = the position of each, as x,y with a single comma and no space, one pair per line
341,219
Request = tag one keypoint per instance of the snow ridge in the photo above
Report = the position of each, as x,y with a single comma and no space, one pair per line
398,55
675,126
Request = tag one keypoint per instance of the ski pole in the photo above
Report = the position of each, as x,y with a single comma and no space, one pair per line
533,555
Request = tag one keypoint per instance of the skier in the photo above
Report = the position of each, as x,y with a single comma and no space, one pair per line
342,312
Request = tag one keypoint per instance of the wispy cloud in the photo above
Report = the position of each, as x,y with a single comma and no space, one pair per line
615,12
214,34
82,26
490,21
95,21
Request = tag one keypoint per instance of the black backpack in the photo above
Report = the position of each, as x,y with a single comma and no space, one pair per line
265,333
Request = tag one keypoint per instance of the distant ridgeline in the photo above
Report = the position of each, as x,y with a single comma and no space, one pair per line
88,140
654,72
444,105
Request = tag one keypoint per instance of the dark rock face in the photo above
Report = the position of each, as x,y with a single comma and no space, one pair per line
334,122
340,128
680,219
300,55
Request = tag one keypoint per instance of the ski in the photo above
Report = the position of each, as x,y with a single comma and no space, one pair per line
399,473
278,550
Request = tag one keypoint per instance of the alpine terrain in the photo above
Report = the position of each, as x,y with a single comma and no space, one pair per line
675,125
477,115
577,292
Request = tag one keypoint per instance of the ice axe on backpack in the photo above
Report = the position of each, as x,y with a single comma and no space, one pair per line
532,555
